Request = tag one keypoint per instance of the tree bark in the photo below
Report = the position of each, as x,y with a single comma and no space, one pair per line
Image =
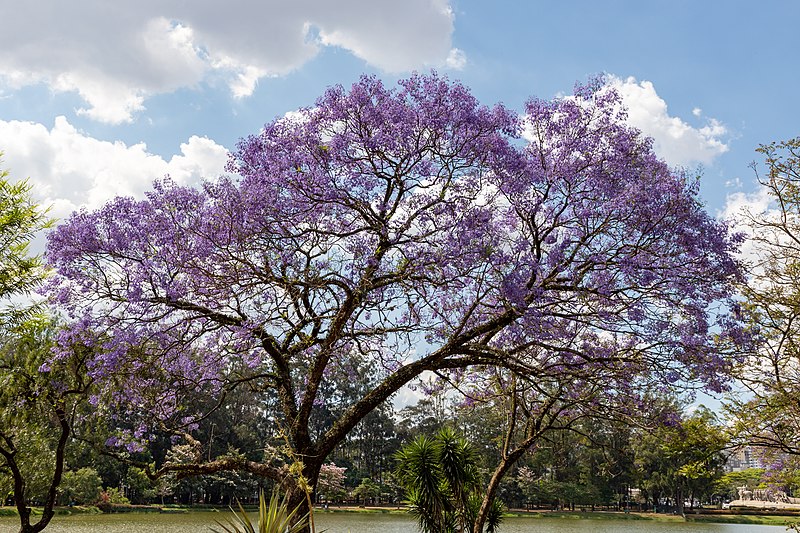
679,501
20,498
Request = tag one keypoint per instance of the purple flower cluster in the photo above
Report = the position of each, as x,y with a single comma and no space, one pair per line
385,222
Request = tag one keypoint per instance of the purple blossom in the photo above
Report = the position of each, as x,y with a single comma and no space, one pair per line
386,222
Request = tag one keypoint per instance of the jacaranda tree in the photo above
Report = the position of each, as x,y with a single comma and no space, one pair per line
386,232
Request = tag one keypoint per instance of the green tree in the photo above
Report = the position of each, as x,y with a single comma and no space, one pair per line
728,485
82,486
683,460
140,489
769,413
20,220
39,398
442,483
38,395
366,490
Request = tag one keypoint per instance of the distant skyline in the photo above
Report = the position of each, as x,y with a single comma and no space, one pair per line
98,99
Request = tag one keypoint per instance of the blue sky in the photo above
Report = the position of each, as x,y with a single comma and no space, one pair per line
99,98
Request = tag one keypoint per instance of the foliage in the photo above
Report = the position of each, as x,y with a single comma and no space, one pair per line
113,496
140,488
20,220
80,487
273,517
548,489
37,395
366,490
330,484
38,402
383,233
728,485
683,460
768,412
442,483
590,463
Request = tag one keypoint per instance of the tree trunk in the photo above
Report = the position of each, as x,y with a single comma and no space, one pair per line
300,493
679,501
296,499
20,499
491,490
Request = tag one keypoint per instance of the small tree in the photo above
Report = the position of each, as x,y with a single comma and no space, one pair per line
80,487
442,483
331,482
366,490
768,413
38,394
729,484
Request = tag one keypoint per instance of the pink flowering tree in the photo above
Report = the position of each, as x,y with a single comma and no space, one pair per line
331,481
386,232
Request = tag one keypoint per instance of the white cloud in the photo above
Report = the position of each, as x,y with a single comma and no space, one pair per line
735,183
116,55
739,207
738,204
69,169
676,141
456,59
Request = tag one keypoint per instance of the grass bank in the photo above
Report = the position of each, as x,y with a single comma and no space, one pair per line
761,519
37,511
364,510
752,519
91,509
718,518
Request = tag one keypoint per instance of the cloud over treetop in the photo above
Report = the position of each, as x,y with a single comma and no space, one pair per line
115,55
69,169
676,141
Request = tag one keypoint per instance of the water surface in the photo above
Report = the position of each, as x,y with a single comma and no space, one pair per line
370,523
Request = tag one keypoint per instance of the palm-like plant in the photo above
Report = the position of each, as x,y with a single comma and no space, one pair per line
442,483
273,517
419,473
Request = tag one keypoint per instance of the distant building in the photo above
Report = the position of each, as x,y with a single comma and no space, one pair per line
743,458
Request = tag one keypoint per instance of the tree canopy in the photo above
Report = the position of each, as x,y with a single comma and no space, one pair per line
768,411
386,232
36,393
20,220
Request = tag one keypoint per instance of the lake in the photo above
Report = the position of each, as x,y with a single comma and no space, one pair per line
371,523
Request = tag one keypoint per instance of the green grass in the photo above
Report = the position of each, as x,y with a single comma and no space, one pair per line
583,515
37,511
765,520
363,510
